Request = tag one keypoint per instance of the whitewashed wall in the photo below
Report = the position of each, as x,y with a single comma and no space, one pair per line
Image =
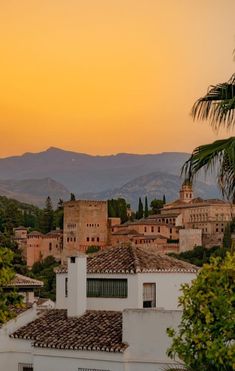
59,360
12,351
145,332
167,291
167,288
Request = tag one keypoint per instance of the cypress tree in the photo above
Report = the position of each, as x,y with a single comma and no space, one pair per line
72,197
48,216
146,208
140,212
164,199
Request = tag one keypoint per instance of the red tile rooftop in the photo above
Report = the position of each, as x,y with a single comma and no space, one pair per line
95,330
133,259
22,281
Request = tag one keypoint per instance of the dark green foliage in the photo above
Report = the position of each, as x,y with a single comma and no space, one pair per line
156,205
92,249
118,208
44,271
218,107
18,263
164,199
229,230
14,213
72,197
59,215
47,217
200,255
205,337
146,208
140,211
9,298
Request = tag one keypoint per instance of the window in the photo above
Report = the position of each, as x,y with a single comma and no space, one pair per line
106,288
149,295
98,239
66,287
25,367
92,239
152,229
50,246
145,229
88,239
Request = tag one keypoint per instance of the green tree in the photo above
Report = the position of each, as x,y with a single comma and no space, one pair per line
59,215
229,230
200,254
164,199
8,299
44,271
140,212
92,249
217,106
118,208
205,337
47,222
13,217
156,205
146,208
72,197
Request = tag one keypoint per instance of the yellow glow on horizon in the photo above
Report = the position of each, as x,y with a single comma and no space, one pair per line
110,76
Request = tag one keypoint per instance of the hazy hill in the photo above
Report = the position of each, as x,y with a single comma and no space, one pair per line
85,173
153,185
34,191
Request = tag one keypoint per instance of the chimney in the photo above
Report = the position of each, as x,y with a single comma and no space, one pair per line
77,285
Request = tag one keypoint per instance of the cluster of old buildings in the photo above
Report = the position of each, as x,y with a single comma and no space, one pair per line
112,311
181,225
113,307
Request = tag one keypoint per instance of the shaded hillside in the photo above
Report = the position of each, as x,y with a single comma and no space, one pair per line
34,191
14,213
153,185
84,173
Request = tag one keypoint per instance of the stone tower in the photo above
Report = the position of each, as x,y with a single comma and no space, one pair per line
186,192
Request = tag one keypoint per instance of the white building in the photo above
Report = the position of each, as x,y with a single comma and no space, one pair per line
113,309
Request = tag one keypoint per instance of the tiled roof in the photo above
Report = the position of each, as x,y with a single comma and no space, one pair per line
133,259
35,233
95,330
125,232
195,201
22,281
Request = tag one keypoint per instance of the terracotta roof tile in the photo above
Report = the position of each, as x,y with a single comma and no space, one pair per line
19,281
133,259
95,330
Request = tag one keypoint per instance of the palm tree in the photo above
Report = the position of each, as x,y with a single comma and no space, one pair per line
217,106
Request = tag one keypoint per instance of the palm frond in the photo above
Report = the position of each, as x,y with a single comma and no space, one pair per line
218,105
218,156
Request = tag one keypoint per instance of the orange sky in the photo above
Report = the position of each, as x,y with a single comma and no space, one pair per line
108,76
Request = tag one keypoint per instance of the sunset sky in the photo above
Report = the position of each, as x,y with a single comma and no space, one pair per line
109,76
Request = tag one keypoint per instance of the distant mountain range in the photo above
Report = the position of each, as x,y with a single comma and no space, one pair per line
85,173
153,185
34,191
56,172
